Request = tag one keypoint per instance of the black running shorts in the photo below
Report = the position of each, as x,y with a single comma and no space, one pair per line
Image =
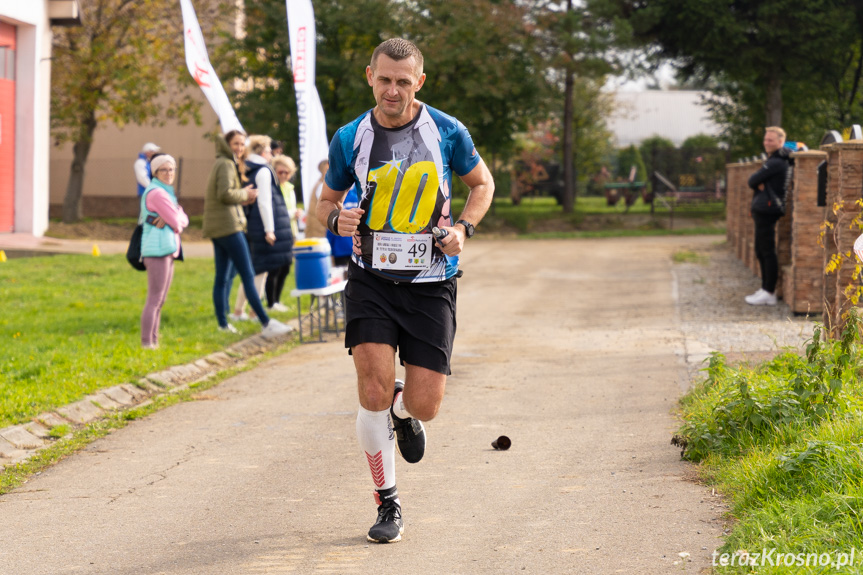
418,319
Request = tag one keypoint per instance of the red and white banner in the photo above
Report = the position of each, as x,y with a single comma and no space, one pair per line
202,71
313,126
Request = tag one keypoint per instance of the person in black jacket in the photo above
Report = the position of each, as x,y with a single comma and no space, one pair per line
269,232
771,176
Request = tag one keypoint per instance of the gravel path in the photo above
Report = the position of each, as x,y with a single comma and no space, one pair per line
714,317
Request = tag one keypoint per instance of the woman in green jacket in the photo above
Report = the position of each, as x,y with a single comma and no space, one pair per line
225,225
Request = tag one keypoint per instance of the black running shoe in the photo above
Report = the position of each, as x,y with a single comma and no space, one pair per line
410,433
389,526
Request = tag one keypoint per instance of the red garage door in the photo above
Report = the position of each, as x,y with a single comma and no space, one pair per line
7,127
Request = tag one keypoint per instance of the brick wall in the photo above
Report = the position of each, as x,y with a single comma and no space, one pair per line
803,277
738,221
805,285
741,229
849,192
736,191
783,242
828,294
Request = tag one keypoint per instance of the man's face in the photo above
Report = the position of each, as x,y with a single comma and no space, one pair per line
772,142
394,83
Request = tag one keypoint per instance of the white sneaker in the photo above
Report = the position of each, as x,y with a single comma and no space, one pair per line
752,297
279,306
761,297
229,328
243,316
275,329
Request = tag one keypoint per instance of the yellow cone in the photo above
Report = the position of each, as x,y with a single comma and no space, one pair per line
96,251
2,256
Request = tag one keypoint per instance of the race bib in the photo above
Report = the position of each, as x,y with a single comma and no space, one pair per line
402,251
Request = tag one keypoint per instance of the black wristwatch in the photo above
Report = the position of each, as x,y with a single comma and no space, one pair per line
468,228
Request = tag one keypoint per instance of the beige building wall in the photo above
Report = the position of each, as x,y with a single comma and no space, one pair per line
33,20
109,178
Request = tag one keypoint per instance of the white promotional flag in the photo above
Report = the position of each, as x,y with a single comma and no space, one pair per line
313,127
202,71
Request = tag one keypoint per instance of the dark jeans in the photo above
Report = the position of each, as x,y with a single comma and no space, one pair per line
232,256
276,283
765,250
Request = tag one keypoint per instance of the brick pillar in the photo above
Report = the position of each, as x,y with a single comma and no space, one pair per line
746,230
828,296
804,277
850,191
730,197
783,242
749,226
735,194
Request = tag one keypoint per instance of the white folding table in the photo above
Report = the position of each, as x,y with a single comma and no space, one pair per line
325,307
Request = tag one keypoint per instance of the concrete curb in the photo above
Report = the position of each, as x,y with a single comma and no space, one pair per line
19,443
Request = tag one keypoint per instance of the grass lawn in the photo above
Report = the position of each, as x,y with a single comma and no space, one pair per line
542,217
534,217
783,442
71,326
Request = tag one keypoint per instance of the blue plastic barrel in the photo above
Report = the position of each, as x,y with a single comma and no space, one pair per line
312,257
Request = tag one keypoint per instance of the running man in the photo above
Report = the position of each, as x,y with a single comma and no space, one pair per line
401,292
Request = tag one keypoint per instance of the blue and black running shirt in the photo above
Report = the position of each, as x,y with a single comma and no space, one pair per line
405,180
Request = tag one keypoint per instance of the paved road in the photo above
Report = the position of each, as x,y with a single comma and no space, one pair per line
571,348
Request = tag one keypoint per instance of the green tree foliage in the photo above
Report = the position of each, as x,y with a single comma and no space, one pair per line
536,151
592,140
659,155
261,59
809,112
491,64
626,159
486,75
781,43
784,62
701,141
123,65
265,103
480,64
577,40
702,157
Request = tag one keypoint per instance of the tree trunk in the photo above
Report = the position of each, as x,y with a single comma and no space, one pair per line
493,176
568,183
774,100
74,189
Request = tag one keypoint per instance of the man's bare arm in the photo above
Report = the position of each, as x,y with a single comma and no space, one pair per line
479,199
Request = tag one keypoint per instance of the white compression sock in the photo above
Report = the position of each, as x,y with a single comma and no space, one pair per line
399,407
377,440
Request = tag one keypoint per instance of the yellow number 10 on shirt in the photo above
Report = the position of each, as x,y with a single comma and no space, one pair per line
402,220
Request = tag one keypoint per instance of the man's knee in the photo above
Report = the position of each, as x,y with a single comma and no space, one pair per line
424,411
375,364
376,394
424,391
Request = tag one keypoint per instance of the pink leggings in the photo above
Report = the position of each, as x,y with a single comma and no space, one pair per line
160,272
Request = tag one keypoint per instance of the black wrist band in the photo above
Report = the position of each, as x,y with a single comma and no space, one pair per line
333,221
